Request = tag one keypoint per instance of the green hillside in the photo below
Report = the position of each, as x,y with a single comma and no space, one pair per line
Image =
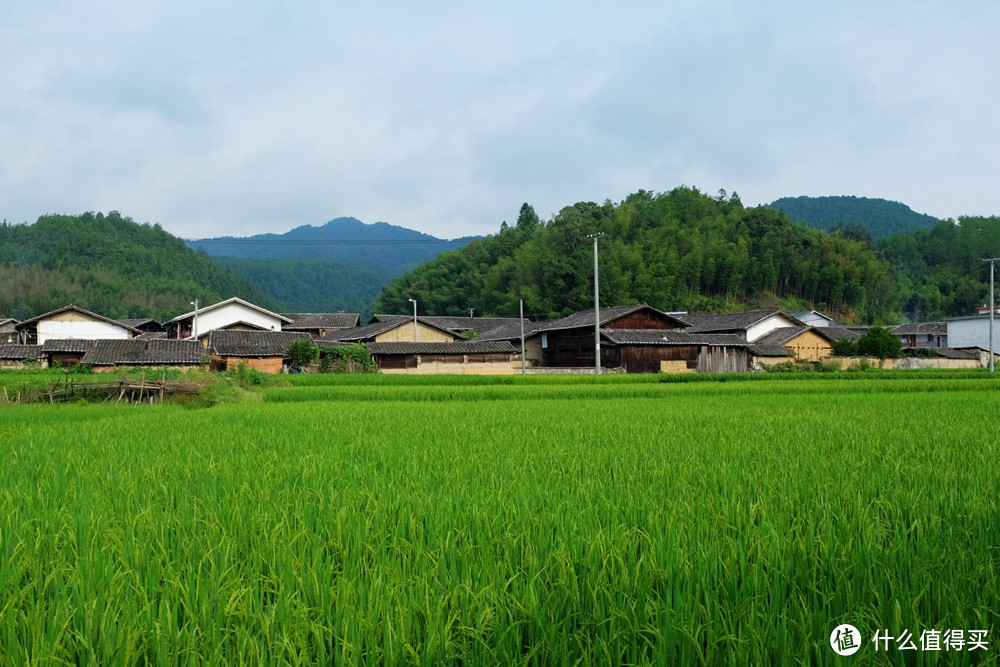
110,265
680,250
880,218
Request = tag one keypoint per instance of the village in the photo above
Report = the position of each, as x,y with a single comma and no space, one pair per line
630,339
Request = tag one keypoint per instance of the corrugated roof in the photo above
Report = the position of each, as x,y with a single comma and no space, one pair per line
253,343
470,347
138,352
321,320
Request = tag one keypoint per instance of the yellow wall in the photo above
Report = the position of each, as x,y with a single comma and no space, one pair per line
404,334
676,367
476,368
810,346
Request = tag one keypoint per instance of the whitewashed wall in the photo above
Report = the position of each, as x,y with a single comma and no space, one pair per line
76,330
231,313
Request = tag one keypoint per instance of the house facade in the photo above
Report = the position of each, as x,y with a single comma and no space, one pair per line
233,314
71,323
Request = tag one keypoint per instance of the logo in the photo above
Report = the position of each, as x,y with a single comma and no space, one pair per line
845,640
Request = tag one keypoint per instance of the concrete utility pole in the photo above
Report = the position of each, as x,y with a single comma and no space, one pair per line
597,310
194,327
414,302
992,261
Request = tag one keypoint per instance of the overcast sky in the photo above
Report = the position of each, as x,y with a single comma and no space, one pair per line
225,117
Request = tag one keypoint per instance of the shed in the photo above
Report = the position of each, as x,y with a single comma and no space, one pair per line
467,358
65,352
15,355
320,325
106,355
675,351
261,350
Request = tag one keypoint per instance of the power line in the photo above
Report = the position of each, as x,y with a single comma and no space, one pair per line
320,241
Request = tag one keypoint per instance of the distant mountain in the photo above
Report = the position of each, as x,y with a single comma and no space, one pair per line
339,266
110,265
881,217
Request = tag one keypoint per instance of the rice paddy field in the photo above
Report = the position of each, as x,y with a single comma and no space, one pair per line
536,521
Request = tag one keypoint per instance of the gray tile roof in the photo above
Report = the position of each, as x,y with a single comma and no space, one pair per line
670,337
949,353
301,321
836,333
67,345
20,352
480,325
586,318
253,343
781,335
734,321
139,322
470,347
138,352
508,331
381,324
921,328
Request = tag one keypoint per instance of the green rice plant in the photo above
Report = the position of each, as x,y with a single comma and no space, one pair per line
700,523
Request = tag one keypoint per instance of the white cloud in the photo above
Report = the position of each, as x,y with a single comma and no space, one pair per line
238,118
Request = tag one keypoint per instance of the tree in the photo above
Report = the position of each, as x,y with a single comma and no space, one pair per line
880,342
302,352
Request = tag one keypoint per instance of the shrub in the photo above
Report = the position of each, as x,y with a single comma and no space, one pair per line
879,342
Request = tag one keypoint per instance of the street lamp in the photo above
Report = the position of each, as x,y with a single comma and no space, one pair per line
414,302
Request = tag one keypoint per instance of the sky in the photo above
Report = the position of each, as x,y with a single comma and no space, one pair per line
221,117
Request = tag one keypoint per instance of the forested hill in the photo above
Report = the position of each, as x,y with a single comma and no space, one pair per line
378,246
110,265
880,218
680,250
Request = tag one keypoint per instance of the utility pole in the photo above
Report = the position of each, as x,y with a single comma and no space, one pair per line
597,310
414,302
522,336
992,261
194,328
471,310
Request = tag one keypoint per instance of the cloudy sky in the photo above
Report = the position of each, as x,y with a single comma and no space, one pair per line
225,117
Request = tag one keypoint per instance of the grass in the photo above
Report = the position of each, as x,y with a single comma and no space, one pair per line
514,522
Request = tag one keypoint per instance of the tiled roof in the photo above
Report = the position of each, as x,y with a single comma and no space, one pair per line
381,324
510,331
949,353
586,318
138,322
7,324
67,345
781,335
253,343
470,347
138,352
320,321
734,321
836,333
921,328
480,325
670,337
19,352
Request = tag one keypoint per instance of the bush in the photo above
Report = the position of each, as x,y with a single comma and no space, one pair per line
346,359
303,352
844,347
879,342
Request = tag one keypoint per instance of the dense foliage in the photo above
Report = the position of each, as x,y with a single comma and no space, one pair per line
110,265
680,250
940,271
879,217
312,285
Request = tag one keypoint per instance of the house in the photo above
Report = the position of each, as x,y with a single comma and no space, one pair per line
107,355
320,325
802,343
15,355
923,334
471,327
231,314
570,342
467,358
265,351
814,318
674,351
397,329
972,331
71,322
750,325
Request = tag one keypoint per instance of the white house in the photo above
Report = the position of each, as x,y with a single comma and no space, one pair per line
814,318
973,331
72,323
749,325
231,314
